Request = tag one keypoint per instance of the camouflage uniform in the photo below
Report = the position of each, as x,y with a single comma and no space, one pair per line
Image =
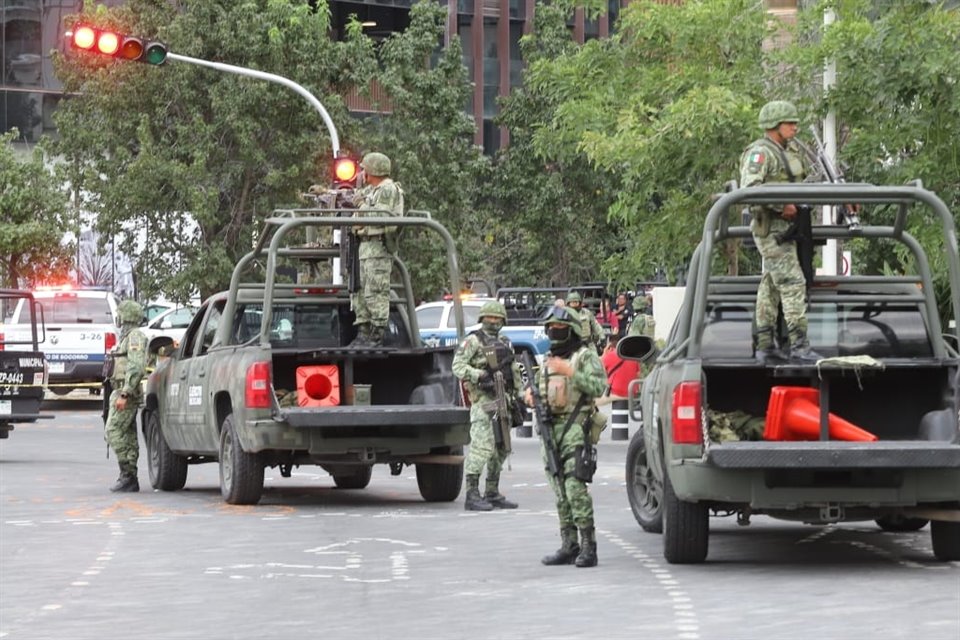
782,283
642,324
574,504
469,365
372,303
129,368
590,329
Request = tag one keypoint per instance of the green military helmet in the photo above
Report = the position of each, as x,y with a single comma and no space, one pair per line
777,111
130,312
568,317
493,309
640,303
376,164
573,296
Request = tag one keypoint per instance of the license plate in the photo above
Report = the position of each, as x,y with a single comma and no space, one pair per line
56,367
6,407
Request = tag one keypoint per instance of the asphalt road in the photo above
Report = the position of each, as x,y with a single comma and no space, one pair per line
313,561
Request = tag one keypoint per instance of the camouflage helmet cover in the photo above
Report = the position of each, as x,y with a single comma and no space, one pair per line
777,111
565,316
640,303
493,309
573,296
376,164
130,312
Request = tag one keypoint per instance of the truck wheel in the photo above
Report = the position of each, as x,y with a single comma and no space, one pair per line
946,540
899,523
168,471
441,482
359,479
686,528
643,489
241,473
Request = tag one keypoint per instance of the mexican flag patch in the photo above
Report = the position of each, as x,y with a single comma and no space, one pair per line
757,159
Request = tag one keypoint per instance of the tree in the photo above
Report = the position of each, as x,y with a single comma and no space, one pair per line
898,108
546,203
190,160
32,219
665,106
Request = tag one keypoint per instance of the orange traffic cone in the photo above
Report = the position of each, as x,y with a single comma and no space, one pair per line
793,413
318,386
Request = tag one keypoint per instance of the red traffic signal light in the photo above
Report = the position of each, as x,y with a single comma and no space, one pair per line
345,172
111,43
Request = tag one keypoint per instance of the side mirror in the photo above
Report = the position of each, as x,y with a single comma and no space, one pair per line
162,346
640,348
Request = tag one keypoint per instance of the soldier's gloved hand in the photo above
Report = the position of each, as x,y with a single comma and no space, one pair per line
485,381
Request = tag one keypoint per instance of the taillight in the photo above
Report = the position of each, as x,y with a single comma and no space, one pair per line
687,428
109,340
257,390
1,340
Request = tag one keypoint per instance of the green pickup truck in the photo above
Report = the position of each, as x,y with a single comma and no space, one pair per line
263,376
899,380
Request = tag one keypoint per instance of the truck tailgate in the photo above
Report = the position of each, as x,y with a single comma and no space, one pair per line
376,415
884,454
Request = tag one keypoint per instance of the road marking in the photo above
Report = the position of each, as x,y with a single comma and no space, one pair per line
684,617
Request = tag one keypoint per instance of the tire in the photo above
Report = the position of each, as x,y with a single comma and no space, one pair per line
168,471
359,479
900,524
644,491
686,528
945,537
440,482
241,473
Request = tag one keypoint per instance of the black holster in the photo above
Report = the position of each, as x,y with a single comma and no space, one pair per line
585,458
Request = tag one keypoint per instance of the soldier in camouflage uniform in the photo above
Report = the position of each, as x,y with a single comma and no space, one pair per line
590,329
382,197
643,323
572,370
129,368
776,157
472,365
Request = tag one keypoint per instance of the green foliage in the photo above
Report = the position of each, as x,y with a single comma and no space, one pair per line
191,158
33,215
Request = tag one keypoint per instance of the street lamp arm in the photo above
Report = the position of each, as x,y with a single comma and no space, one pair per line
270,77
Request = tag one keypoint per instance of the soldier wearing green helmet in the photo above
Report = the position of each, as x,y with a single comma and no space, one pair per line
643,323
569,381
590,329
485,363
776,157
382,197
126,368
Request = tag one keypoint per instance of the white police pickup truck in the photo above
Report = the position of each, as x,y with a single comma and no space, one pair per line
80,329
437,326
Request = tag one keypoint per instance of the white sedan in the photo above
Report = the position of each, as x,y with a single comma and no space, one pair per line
172,323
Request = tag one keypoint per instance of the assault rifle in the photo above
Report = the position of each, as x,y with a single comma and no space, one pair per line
545,421
844,214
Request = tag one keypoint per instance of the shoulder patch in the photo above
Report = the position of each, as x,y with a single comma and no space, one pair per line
756,160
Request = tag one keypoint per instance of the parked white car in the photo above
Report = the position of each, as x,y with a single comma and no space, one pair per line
172,323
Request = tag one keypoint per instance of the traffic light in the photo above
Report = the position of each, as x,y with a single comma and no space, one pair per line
345,172
117,45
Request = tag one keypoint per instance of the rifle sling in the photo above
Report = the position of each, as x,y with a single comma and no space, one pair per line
569,423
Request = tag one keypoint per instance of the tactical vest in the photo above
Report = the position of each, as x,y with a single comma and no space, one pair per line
560,392
789,169
504,355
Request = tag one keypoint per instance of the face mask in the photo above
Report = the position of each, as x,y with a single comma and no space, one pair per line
492,326
558,335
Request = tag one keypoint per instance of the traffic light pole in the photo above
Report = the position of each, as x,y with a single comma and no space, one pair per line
270,77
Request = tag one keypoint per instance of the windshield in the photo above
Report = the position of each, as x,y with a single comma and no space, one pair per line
70,308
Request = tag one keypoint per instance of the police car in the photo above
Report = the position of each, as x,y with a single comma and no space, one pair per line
437,326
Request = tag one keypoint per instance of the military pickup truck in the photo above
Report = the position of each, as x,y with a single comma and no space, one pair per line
264,376
23,369
900,382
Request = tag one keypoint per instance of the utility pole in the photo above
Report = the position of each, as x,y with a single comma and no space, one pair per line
829,146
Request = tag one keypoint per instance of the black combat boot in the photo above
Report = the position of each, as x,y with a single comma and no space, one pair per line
568,551
588,548
474,501
376,336
802,353
363,336
767,351
493,495
126,483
